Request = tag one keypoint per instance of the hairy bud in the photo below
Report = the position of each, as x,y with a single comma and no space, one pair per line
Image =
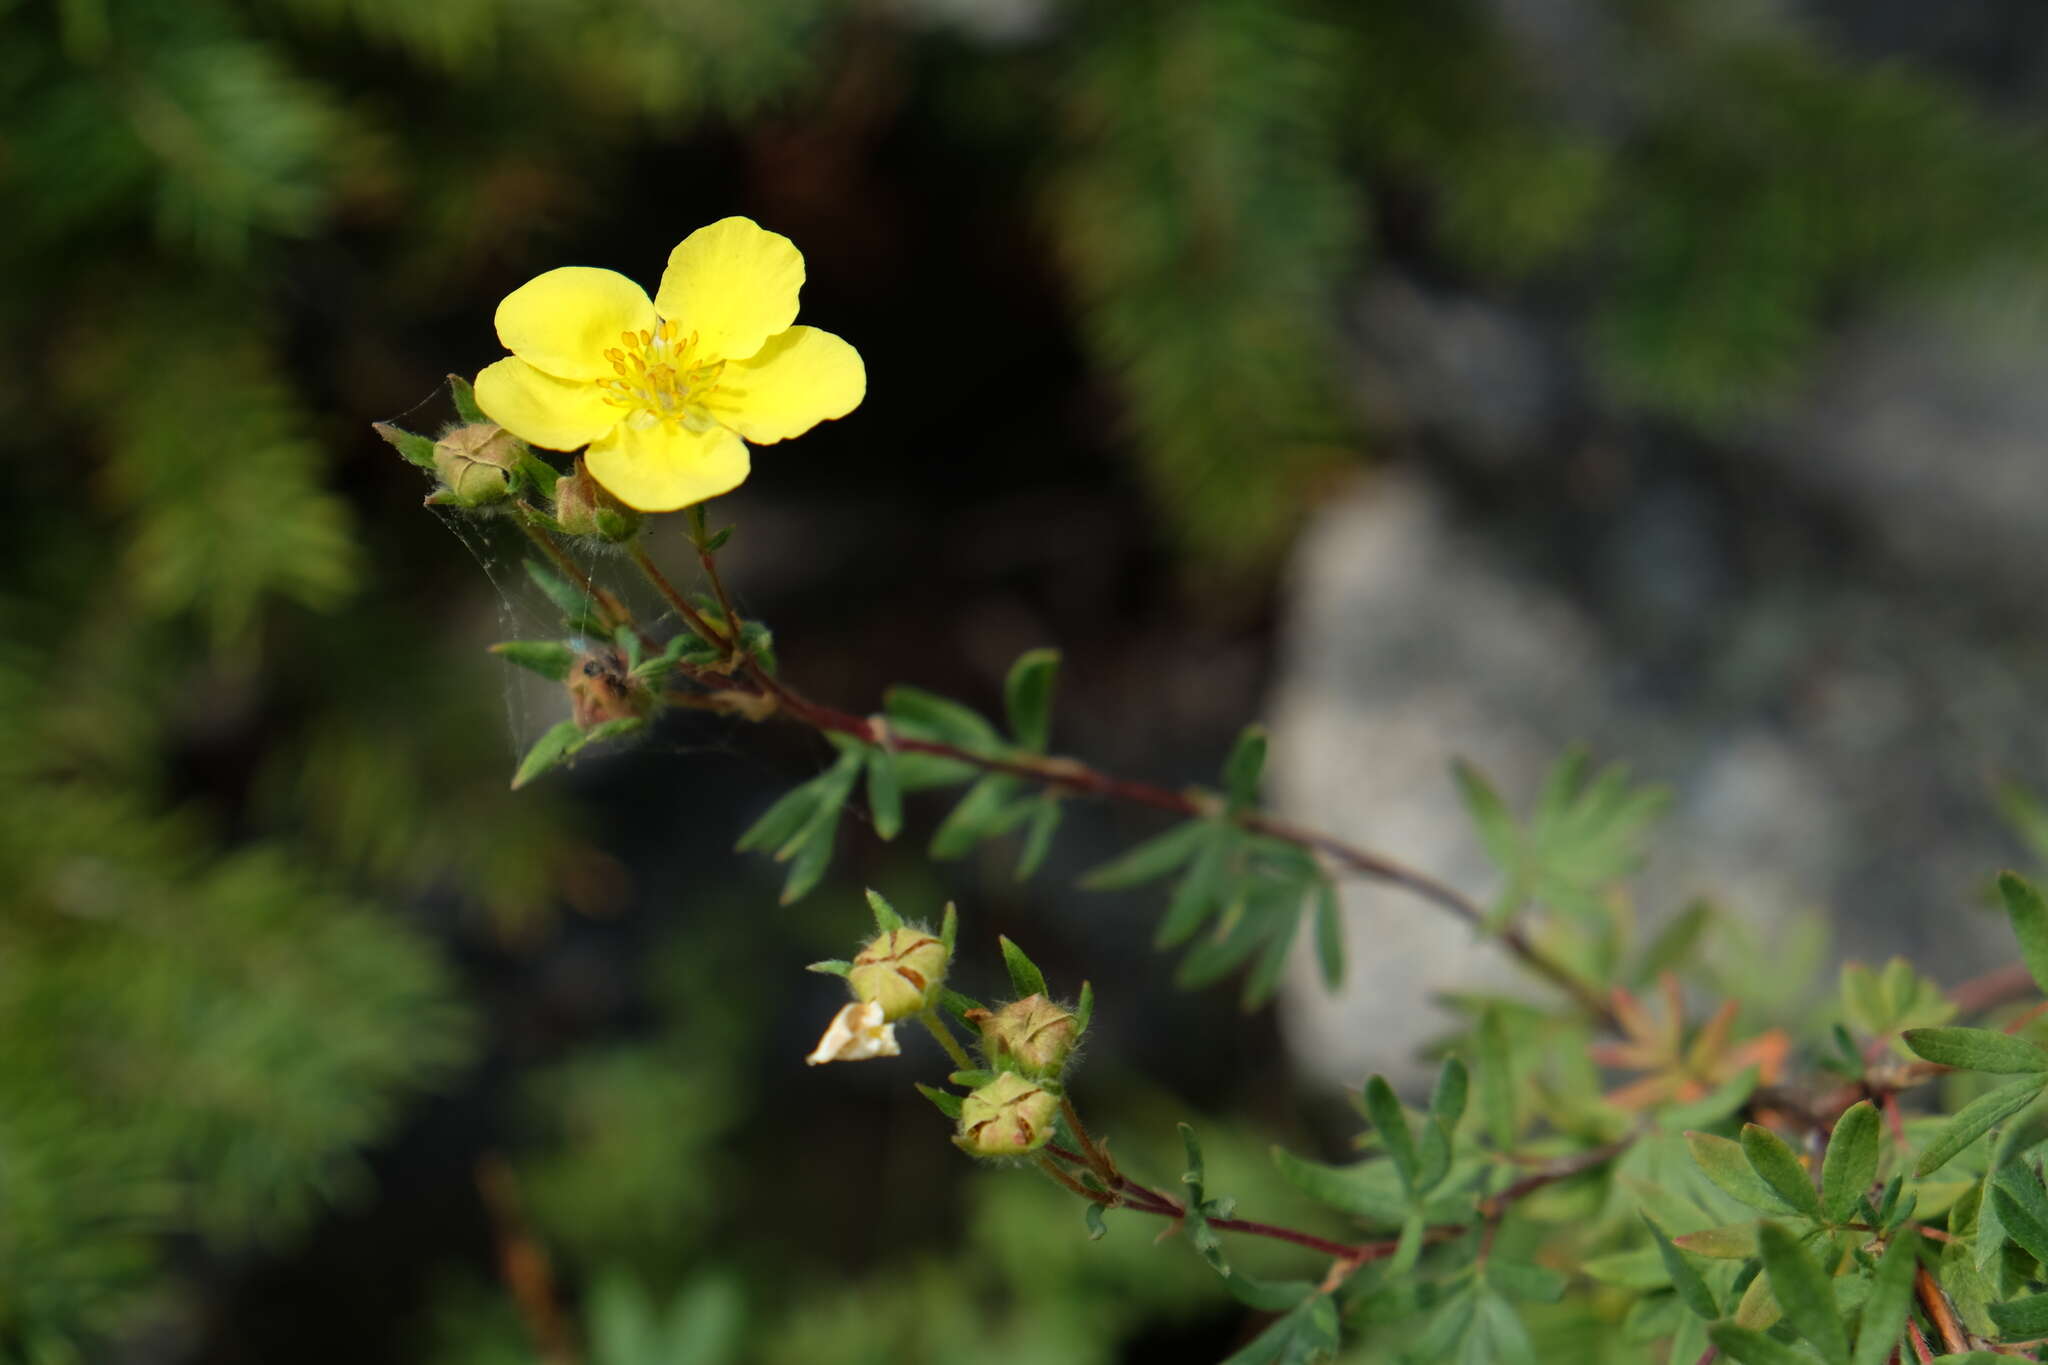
901,971
1032,1036
1010,1116
584,508
601,690
478,463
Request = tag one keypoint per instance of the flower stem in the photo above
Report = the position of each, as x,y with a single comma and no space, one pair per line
940,1031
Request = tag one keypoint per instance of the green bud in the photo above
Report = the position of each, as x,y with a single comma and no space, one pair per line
478,464
600,689
1032,1036
584,508
1009,1116
901,971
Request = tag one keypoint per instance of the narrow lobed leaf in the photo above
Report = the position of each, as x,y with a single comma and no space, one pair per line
553,747
1752,1347
1150,860
1805,1292
1329,934
1685,1276
549,658
1385,1112
1447,1101
1977,1049
1975,1119
1027,698
1851,1162
1724,1163
885,793
1891,1295
2022,1319
1779,1167
2029,915
1241,770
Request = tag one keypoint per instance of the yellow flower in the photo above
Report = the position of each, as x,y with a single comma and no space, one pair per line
666,392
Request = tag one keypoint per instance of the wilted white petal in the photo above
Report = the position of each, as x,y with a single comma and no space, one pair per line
858,1032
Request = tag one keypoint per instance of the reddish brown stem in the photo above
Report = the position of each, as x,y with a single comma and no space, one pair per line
1939,1311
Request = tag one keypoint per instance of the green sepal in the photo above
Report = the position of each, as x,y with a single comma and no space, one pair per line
835,966
886,919
973,1079
549,658
947,1102
416,448
949,928
1025,978
465,400
538,472
1027,698
1084,1011
1091,1215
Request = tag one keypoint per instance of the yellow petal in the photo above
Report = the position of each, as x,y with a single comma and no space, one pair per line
558,414
564,321
660,466
799,379
734,284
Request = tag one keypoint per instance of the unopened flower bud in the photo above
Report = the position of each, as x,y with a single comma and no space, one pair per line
600,689
901,971
1009,1116
1032,1036
584,508
478,463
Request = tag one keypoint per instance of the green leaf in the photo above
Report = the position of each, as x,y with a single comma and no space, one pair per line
1447,1101
574,603
1091,1214
1728,1242
1805,1292
1329,934
1498,1336
1685,1277
2021,1218
1977,1049
1027,697
1724,1163
1025,978
1891,1295
465,400
887,921
2022,1319
1195,896
549,658
1045,819
1152,859
1496,1080
929,716
555,746
1525,1283
1368,1190
1385,1112
1641,1269
1975,1119
1241,770
1490,814
1753,1348
1673,944
1851,1162
813,856
1777,1166
980,814
2029,914
418,449
885,792
1305,1334
782,820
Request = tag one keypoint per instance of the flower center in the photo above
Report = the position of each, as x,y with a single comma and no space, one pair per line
661,378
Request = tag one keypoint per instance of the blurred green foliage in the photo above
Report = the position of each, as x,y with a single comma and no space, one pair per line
213,996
